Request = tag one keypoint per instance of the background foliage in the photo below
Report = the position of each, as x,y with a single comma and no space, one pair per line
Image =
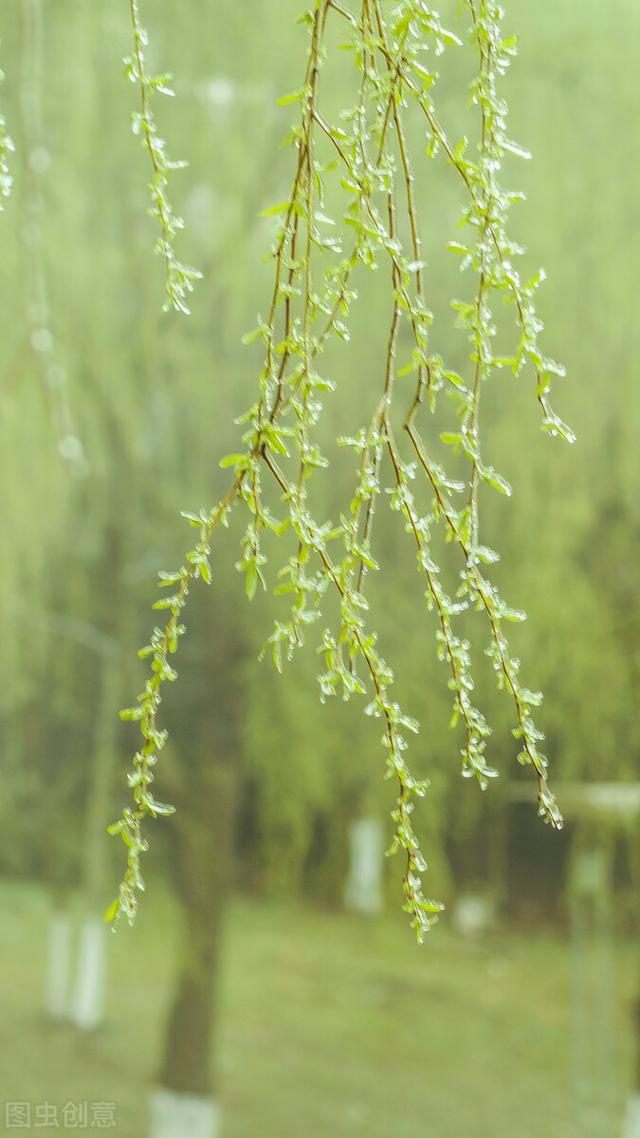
116,421
154,399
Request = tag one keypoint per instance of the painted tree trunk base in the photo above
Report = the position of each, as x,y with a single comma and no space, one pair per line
363,890
175,1115
632,1119
59,967
88,998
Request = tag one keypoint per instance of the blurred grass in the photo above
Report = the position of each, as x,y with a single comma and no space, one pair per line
331,1027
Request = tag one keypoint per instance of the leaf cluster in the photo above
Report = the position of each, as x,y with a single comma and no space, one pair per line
179,278
364,159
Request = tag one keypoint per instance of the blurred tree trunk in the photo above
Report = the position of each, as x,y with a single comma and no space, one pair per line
203,868
184,1105
87,1007
88,997
632,1121
204,783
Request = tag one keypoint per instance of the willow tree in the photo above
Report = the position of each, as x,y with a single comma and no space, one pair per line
355,207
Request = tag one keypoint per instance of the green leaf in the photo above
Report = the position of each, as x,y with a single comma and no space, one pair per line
292,97
112,912
131,713
514,148
274,210
492,478
232,460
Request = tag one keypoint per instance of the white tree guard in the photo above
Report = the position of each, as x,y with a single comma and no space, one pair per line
88,998
363,890
176,1115
632,1119
59,966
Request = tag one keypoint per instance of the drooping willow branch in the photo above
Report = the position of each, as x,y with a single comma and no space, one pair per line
42,342
6,149
369,160
179,278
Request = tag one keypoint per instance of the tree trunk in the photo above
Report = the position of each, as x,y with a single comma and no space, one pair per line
89,990
632,1120
183,1106
58,965
363,889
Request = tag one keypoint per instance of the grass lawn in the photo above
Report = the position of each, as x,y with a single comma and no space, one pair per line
331,1027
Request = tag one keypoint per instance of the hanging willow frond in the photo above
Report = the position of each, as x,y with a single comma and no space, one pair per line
179,278
367,155
6,149
41,323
